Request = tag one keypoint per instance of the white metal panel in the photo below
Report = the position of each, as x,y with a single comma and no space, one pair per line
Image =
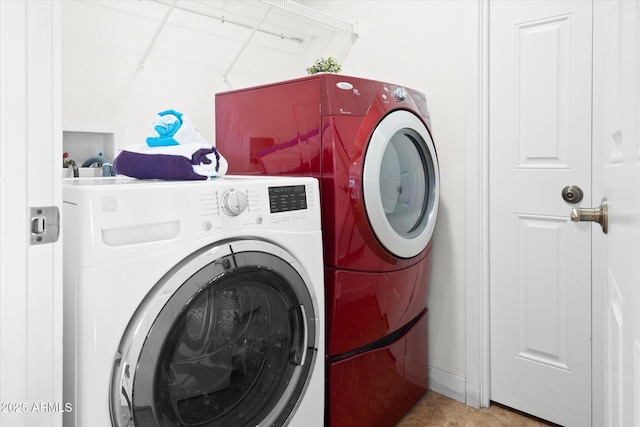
97,282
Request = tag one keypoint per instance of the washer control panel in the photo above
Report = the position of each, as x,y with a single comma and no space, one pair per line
288,206
119,217
287,198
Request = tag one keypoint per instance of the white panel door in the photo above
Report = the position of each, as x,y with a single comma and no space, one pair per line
540,141
617,131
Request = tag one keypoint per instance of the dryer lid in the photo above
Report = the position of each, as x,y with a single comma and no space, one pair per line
401,184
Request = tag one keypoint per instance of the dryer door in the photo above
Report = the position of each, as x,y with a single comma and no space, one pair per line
227,338
401,184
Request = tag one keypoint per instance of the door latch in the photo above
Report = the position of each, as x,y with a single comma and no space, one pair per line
45,225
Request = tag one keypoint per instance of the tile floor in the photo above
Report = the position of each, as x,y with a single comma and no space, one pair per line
436,410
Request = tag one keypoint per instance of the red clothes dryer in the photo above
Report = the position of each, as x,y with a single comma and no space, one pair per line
369,144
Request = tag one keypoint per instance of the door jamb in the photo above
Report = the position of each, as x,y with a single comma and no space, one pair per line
477,386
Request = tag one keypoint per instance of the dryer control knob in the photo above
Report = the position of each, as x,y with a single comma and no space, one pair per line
400,94
234,202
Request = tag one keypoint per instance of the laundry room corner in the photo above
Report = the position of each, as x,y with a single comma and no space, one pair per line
121,65
366,244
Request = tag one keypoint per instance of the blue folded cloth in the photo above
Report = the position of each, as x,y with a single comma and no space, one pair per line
177,151
173,128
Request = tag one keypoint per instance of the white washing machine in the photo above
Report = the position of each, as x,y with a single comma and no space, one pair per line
193,303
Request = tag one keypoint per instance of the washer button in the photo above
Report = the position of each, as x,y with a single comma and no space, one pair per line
234,202
207,225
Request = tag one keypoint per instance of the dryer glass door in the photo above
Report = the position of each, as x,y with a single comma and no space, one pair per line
232,345
401,185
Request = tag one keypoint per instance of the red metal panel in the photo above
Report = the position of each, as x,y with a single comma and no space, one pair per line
375,389
271,130
364,307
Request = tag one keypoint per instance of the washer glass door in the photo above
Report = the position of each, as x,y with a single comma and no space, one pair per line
401,186
233,345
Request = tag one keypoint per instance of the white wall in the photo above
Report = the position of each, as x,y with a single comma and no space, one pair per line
103,42
419,44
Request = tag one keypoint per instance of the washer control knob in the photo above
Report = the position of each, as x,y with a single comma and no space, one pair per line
400,94
234,202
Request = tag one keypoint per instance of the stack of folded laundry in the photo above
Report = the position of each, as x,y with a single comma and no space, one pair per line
177,151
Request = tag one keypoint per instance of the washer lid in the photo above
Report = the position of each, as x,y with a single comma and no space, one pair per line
401,184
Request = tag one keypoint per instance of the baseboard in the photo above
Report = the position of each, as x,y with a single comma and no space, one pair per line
447,384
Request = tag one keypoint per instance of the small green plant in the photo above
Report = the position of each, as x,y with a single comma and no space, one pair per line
329,65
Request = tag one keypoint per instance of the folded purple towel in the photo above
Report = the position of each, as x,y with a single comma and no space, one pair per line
168,166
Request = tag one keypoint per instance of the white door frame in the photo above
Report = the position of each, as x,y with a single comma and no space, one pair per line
30,275
477,386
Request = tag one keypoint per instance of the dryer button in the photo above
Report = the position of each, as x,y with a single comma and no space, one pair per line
400,94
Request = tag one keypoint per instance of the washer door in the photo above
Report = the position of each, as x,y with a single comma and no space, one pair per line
401,184
227,338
